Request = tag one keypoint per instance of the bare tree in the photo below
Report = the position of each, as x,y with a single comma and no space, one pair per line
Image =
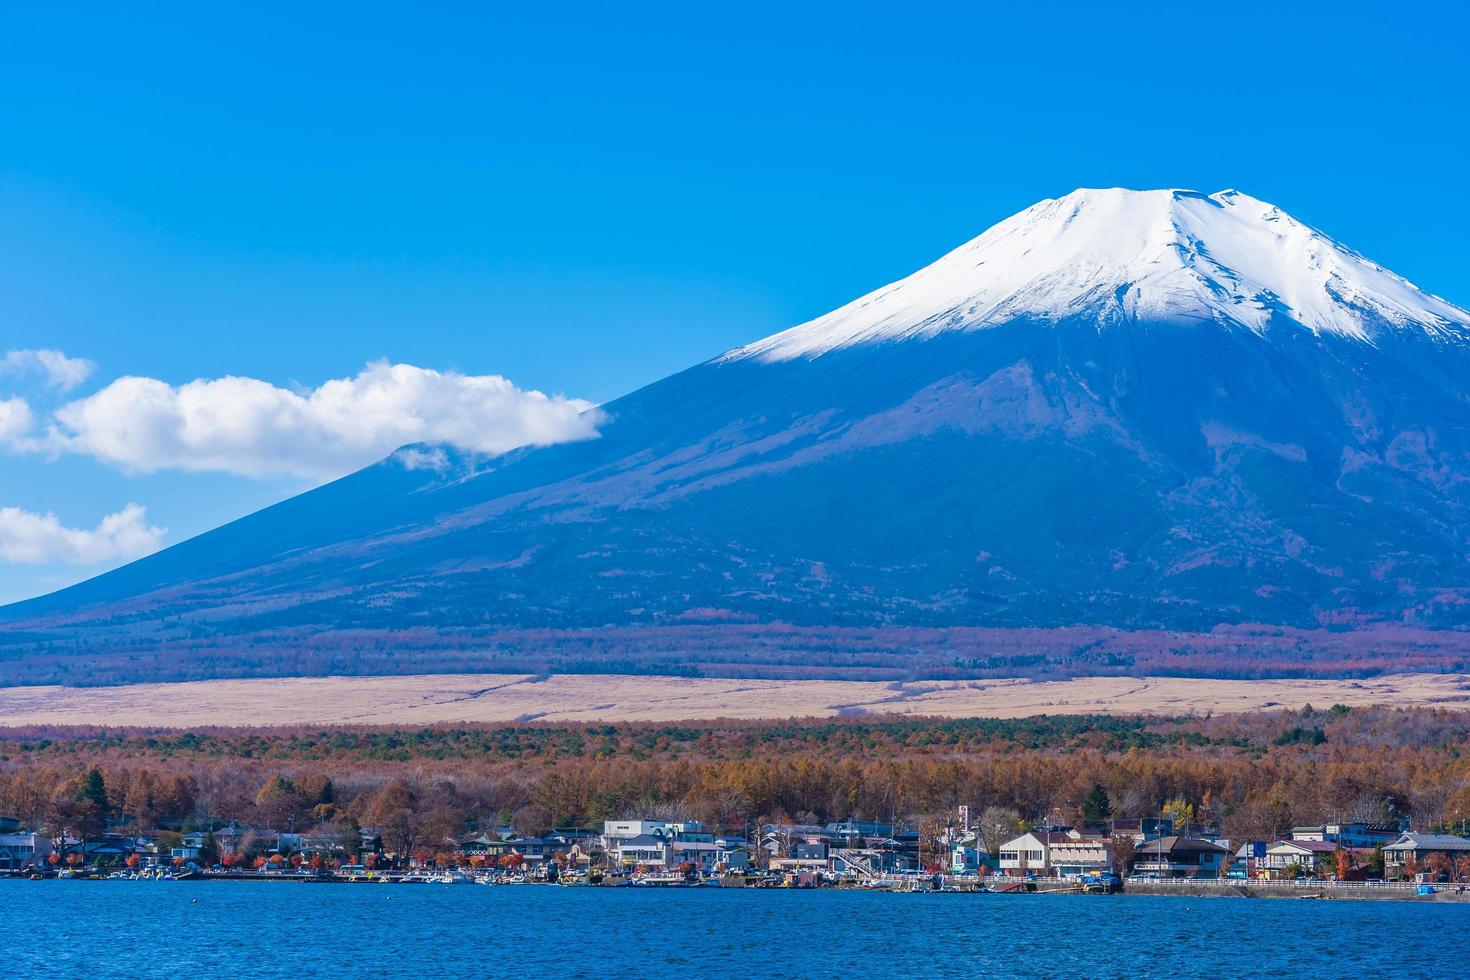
996,825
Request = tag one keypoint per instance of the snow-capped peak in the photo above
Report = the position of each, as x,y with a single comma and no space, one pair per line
1123,254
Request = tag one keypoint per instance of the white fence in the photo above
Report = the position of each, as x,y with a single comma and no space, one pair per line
1299,884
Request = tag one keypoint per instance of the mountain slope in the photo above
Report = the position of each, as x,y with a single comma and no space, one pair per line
1119,430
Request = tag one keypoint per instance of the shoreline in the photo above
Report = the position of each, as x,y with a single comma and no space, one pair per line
1181,888
426,699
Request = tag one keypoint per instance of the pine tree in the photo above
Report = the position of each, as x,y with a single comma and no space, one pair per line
1098,806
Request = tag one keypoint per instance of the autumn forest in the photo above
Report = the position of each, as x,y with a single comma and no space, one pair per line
1255,775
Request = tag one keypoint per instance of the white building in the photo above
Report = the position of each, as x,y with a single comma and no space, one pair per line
645,851
615,832
1064,853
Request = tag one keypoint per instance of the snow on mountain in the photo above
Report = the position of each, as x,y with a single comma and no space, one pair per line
1136,431
1155,255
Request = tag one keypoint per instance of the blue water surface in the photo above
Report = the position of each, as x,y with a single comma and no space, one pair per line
245,929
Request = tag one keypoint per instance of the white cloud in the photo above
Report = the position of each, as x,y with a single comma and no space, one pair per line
59,371
253,428
39,539
15,421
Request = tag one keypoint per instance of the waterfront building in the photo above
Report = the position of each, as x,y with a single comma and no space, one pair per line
645,850
805,855
1246,859
732,855
1315,857
1369,835
968,856
536,851
1181,857
1064,853
1418,848
615,832
23,849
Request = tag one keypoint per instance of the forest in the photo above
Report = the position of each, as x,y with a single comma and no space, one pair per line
1255,775
722,648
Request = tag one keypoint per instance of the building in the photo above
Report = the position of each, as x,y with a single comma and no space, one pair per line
23,849
1418,848
581,856
777,839
805,855
617,832
698,855
1317,858
1024,854
1247,857
485,846
644,851
1063,853
1140,829
732,855
1369,835
1181,857
968,857
536,851
1082,856
856,833
111,849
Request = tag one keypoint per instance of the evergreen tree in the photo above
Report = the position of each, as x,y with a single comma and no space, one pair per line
1098,806
94,789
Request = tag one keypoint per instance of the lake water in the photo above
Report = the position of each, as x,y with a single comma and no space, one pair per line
207,929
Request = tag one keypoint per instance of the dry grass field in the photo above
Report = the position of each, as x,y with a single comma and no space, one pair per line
429,699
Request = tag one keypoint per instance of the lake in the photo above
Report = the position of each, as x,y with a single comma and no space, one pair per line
239,929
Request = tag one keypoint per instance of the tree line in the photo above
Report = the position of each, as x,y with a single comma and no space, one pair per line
1256,775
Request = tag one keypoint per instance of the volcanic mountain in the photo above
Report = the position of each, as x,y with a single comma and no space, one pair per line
1119,431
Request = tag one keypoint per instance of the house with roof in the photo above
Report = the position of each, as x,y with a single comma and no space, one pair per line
1181,857
1317,858
23,849
1063,852
1369,835
731,855
1080,856
1026,854
536,851
485,846
615,833
110,849
583,854
645,851
968,856
806,855
699,855
1417,848
1247,857
777,839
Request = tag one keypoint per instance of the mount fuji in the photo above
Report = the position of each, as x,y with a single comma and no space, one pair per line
1121,431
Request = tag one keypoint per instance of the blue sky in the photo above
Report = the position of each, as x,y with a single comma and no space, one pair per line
582,199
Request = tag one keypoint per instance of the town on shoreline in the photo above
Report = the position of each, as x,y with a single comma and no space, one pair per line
1340,801
1148,855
